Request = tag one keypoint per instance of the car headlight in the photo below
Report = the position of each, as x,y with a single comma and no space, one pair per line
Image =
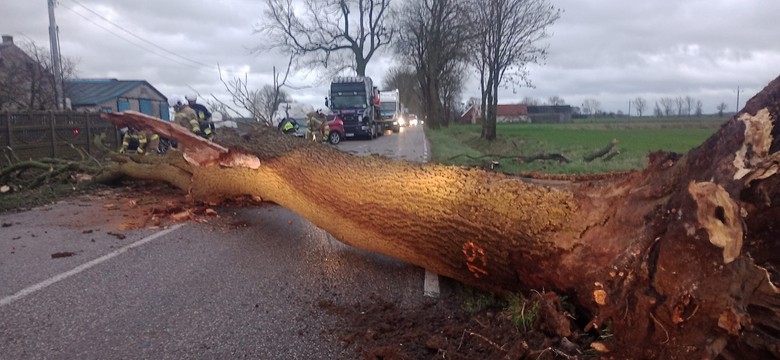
401,121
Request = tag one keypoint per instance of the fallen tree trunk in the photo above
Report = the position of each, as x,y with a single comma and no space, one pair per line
676,259
600,152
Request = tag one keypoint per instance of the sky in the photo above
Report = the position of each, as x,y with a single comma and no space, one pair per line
611,51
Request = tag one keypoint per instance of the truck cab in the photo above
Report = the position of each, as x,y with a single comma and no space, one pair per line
355,100
390,109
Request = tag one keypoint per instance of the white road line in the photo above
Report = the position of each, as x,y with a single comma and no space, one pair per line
431,286
43,284
425,148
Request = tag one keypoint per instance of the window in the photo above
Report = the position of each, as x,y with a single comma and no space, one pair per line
164,114
349,102
145,106
122,104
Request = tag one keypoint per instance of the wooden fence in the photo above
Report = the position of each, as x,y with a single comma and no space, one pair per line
35,135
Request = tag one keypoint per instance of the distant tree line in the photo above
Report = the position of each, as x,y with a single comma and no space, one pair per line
664,107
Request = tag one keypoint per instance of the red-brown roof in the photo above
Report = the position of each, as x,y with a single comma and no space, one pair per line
501,110
511,110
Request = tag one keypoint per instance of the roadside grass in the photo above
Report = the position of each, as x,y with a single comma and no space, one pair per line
520,311
461,145
475,300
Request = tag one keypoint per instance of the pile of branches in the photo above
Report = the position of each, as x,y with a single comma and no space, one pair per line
17,175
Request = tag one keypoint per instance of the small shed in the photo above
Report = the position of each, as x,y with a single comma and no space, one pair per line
112,95
550,113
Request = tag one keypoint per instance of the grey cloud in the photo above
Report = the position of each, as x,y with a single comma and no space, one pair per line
609,50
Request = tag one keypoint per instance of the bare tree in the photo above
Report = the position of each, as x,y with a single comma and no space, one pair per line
721,108
591,107
451,88
689,103
667,104
679,104
27,77
335,34
260,104
509,38
699,107
219,107
431,37
640,104
530,101
555,100
404,78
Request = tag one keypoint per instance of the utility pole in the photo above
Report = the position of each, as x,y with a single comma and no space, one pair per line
56,59
736,109
629,108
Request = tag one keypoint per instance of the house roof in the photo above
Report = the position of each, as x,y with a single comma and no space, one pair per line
511,110
502,110
540,109
10,51
97,91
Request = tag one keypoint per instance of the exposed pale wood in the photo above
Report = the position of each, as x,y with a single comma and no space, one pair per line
676,259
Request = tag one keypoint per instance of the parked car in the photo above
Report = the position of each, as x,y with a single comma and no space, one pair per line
336,126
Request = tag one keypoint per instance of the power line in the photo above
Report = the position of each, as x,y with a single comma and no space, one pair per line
192,63
139,37
126,39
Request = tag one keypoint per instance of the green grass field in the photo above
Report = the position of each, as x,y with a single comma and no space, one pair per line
460,144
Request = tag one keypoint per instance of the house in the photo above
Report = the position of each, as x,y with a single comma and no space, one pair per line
550,113
505,113
25,82
112,95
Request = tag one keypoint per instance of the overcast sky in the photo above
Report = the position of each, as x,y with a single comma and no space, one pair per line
608,50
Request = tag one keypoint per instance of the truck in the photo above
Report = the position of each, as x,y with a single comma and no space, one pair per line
390,109
355,100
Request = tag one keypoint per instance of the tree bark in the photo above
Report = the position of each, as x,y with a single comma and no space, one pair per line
676,260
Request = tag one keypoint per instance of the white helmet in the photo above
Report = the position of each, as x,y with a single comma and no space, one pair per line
176,101
191,97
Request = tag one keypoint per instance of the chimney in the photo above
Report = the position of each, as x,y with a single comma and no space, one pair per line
8,39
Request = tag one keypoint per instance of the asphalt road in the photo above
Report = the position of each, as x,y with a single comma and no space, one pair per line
246,285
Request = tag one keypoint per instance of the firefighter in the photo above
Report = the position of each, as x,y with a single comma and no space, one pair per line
144,141
288,126
318,123
313,125
186,116
203,115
